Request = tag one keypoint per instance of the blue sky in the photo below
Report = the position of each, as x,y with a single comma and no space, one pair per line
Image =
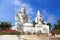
49,9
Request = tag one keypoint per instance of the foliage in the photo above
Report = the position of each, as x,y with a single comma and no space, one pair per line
5,25
57,32
49,24
57,26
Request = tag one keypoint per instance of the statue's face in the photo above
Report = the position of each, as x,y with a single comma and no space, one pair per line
23,10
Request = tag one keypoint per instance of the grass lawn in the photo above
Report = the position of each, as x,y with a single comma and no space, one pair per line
57,32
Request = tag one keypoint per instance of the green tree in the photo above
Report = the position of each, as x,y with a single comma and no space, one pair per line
50,26
57,26
5,25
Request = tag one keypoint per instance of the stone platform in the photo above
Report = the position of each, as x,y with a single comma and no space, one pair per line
24,37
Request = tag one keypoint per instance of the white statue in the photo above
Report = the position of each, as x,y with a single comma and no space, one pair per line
38,19
23,23
23,16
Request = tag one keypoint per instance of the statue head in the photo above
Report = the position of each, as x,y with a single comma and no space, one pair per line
38,19
23,10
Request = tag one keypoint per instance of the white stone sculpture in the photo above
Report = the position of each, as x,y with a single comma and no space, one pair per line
38,19
23,24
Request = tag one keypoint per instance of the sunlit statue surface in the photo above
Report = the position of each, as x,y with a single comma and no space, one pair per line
23,23
38,19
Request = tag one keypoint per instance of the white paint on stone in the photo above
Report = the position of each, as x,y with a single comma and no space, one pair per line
23,23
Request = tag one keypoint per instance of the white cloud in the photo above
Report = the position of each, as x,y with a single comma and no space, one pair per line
16,2
49,17
29,9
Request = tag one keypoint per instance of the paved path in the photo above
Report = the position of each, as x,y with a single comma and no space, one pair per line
23,37
57,37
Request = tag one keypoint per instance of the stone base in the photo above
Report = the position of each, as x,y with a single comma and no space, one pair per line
24,37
